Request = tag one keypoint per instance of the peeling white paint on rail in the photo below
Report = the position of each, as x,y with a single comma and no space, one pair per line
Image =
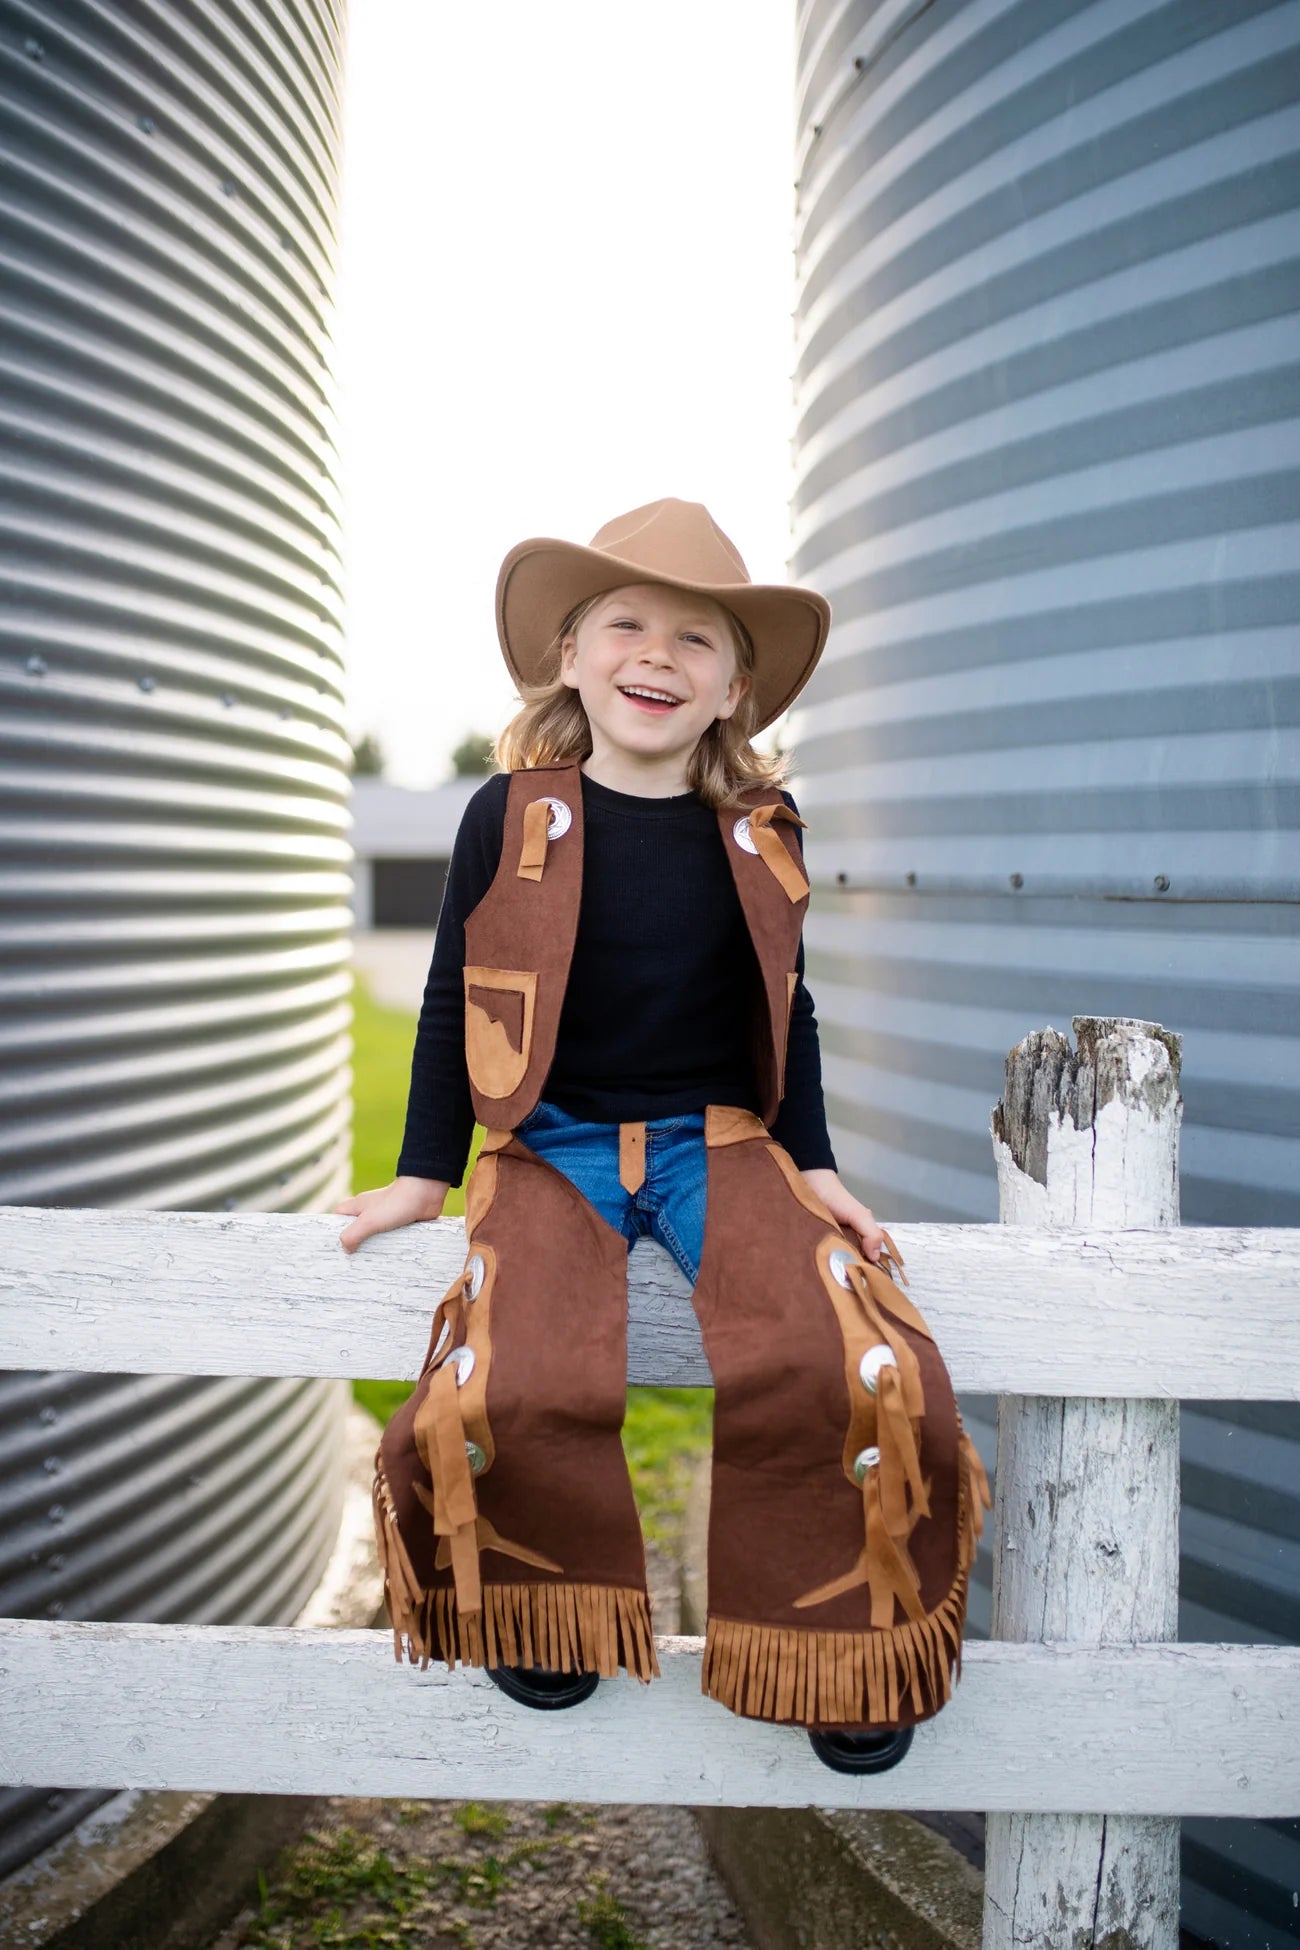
1198,1312
1146,1729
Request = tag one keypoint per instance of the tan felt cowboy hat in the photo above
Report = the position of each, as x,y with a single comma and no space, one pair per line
677,542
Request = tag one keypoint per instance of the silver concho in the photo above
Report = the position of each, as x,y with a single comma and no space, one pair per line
740,833
560,820
462,1359
864,1460
476,1457
475,1273
877,1357
839,1262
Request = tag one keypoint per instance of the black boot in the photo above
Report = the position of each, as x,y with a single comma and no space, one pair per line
537,1686
869,1751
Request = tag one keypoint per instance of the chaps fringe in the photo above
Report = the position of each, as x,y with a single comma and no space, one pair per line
852,1679
565,1627
856,1679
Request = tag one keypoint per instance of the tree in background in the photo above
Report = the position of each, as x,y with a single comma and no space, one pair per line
473,756
368,757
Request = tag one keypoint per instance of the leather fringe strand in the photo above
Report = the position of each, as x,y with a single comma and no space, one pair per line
565,1627
852,1679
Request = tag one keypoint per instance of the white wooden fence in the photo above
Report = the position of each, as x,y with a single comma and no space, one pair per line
1060,1728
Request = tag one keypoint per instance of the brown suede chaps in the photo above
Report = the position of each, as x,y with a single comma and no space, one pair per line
846,1498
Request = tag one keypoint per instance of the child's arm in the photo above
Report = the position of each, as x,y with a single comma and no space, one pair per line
800,1124
440,1113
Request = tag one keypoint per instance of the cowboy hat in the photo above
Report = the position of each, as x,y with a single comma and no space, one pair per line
669,541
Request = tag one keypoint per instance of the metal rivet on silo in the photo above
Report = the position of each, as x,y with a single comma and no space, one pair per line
49,1413
33,47
56,1513
228,186
55,1608
284,712
52,1465
55,1561
36,666
1017,880
286,242
228,1204
147,123
1162,883
147,683
227,698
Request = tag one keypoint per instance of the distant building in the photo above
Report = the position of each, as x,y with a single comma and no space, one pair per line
403,839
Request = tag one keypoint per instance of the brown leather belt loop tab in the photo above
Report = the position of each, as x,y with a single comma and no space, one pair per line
771,851
532,854
631,1156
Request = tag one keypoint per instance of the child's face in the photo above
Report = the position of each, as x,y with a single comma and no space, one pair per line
650,637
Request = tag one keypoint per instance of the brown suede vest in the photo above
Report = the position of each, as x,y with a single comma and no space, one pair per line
519,939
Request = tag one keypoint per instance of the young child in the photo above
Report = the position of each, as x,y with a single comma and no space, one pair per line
622,930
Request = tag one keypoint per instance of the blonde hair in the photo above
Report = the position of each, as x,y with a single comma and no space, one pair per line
552,725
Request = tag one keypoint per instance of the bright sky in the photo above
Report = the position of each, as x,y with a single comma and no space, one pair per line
566,290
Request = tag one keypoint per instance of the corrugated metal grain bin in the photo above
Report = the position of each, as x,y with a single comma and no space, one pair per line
1048,473
173,768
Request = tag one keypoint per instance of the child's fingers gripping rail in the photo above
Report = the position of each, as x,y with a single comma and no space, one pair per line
405,1202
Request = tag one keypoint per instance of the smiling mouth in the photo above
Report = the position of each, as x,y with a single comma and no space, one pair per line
648,699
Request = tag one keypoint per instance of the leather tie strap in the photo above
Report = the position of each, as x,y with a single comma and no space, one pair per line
909,1368
890,1256
631,1156
900,1465
532,854
455,1506
890,1573
771,851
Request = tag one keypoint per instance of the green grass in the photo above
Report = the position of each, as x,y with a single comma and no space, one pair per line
666,1428
605,1920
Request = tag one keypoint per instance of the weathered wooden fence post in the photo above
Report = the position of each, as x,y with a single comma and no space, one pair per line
1087,1491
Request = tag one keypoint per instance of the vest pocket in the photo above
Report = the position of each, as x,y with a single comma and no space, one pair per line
500,1004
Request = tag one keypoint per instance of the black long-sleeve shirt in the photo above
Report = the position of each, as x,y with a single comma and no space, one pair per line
657,1016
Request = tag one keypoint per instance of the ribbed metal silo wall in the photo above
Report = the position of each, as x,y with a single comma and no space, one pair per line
173,768
1047,471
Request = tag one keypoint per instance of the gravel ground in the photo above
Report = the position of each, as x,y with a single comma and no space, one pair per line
442,1875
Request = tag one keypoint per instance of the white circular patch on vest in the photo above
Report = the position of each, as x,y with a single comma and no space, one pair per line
740,833
839,1262
875,1358
560,820
475,1273
476,1458
462,1359
864,1460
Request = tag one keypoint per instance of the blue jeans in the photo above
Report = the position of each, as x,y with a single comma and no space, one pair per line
670,1204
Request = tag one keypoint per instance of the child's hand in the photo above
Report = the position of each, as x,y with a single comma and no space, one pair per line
849,1211
400,1204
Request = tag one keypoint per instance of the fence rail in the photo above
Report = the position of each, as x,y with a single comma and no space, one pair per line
1199,1313
1147,1729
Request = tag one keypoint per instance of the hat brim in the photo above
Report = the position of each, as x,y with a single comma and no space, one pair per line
541,580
